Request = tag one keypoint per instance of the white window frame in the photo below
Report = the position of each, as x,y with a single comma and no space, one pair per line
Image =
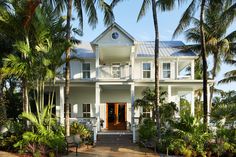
115,64
147,112
86,70
147,70
166,70
86,112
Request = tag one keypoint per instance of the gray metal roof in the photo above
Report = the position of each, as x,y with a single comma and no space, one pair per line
167,49
144,49
85,51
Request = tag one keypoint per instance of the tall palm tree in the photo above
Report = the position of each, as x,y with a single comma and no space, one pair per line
163,5
89,7
218,42
13,28
185,22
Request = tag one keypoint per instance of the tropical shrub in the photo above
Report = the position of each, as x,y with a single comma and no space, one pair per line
13,134
82,130
147,130
189,137
45,136
224,116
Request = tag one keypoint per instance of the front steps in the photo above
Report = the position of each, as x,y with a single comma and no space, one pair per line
117,139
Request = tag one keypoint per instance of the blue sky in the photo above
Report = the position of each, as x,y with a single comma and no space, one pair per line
126,15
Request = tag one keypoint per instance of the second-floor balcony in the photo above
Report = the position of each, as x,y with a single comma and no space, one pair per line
115,71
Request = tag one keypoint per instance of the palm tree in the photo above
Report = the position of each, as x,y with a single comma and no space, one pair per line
217,42
185,22
84,5
230,76
163,5
13,28
90,9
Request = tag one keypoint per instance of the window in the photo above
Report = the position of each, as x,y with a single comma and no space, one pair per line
146,113
166,70
86,70
116,70
146,70
86,110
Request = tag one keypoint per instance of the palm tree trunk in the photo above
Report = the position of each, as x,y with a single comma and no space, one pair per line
157,92
25,96
213,75
203,53
67,83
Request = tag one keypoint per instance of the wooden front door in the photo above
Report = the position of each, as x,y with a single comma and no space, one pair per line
116,116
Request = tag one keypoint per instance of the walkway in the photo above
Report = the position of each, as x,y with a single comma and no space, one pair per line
113,151
5,154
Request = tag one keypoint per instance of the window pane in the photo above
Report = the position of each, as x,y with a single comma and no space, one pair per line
88,107
84,107
166,74
166,66
86,75
86,66
146,74
146,66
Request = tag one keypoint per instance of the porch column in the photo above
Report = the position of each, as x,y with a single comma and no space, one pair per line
192,103
192,69
62,103
208,104
169,93
97,61
132,62
97,105
132,112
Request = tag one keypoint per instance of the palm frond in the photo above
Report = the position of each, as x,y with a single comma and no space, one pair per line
145,5
185,19
109,17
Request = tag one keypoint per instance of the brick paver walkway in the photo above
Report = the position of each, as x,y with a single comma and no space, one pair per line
5,154
113,151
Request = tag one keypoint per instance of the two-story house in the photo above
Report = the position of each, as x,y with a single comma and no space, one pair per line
115,70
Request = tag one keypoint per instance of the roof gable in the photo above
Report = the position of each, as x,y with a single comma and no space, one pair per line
106,36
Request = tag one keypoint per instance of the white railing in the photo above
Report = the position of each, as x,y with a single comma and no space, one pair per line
107,72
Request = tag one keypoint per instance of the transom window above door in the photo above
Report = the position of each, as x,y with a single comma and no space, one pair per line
166,70
86,70
116,70
146,70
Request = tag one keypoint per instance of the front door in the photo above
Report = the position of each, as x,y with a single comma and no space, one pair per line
116,116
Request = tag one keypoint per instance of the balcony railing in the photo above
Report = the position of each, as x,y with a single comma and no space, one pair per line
115,72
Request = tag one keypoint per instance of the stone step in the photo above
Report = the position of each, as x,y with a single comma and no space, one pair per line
114,139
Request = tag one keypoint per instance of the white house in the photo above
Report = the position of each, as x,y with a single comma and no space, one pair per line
115,70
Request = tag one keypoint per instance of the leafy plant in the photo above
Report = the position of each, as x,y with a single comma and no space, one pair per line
45,136
13,134
189,137
147,130
80,129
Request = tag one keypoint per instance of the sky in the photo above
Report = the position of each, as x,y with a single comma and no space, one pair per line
126,16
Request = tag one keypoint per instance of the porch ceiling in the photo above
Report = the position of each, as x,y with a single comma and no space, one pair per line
115,53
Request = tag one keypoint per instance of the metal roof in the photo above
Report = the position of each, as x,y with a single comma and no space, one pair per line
166,49
144,49
84,50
